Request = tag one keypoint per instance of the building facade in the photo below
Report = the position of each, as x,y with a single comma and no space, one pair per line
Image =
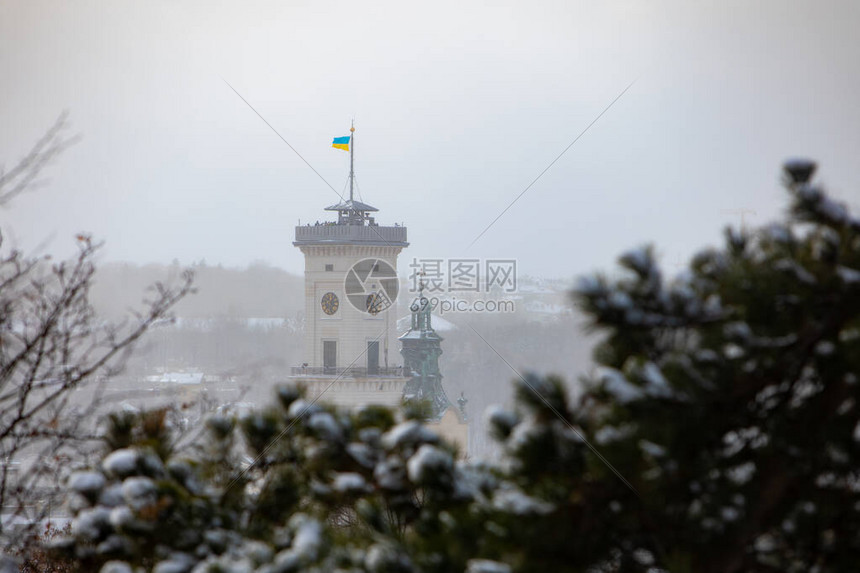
350,286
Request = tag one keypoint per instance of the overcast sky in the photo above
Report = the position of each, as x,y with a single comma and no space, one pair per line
458,107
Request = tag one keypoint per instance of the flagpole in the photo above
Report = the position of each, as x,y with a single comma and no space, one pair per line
351,148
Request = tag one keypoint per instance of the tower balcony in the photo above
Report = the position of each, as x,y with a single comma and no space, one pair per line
337,234
347,372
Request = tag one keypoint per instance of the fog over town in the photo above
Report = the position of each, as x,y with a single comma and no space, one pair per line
244,329
340,283
458,109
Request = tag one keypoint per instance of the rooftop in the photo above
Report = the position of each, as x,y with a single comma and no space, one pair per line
351,205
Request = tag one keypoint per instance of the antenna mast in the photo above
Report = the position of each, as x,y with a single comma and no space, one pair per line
351,150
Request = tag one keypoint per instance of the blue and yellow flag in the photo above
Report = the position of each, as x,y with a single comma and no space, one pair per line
341,143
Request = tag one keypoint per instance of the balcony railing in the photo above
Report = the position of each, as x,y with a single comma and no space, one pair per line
347,372
394,236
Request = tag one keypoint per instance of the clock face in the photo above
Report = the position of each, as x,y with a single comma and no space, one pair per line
329,303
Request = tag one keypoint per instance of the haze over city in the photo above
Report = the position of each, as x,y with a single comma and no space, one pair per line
458,107
385,286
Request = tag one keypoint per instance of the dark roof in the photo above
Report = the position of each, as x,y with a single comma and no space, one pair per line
351,206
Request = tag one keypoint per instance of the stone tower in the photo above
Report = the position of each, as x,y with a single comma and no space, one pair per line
351,284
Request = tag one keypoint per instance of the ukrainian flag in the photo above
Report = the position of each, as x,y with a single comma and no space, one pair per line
341,143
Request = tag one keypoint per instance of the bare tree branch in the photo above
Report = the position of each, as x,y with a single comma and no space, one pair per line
23,175
51,345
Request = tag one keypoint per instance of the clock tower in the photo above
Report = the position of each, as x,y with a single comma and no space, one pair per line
351,285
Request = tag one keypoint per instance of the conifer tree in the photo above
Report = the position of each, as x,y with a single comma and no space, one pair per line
728,397
720,433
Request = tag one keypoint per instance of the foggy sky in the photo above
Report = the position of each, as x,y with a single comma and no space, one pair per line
458,107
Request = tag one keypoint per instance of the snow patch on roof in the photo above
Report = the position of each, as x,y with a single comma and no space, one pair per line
177,378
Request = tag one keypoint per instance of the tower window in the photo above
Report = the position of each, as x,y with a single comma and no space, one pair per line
329,356
373,357
329,268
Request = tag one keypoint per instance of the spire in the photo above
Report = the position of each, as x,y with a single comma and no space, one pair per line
421,327
421,348
422,317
